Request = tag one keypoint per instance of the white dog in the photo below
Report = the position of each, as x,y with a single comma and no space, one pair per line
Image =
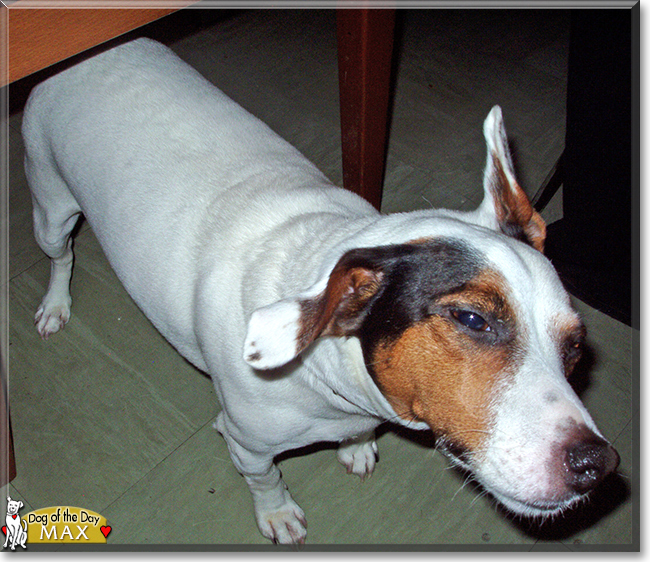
317,317
16,532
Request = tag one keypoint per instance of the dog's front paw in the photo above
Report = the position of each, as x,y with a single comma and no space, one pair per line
286,525
50,318
358,457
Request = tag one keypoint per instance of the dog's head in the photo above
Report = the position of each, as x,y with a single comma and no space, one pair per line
464,325
13,507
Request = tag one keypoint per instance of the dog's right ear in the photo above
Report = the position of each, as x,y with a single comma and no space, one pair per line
335,306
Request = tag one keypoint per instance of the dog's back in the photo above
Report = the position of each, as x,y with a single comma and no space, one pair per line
167,169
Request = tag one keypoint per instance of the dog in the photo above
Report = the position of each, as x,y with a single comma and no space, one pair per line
317,317
16,528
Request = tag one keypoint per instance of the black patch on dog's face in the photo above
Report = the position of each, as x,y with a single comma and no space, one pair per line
414,276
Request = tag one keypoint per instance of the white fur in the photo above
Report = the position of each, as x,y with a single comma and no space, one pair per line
271,329
217,228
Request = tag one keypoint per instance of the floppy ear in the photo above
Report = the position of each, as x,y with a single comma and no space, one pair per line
505,203
335,306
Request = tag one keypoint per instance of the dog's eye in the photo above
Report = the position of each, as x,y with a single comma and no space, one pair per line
572,353
572,349
471,320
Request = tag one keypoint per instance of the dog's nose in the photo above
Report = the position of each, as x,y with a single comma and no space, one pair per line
588,461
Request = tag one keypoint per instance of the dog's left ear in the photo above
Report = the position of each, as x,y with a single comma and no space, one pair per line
505,205
335,306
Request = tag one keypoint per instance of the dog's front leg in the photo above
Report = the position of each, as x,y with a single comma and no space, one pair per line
279,518
359,455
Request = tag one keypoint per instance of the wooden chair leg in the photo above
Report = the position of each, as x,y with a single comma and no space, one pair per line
365,48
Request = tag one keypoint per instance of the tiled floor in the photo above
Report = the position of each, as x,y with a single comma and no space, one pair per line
107,416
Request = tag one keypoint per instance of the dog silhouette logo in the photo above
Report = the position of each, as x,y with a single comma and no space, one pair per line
15,528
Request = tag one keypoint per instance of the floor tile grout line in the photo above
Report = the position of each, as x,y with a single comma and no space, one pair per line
618,435
27,268
153,468
37,261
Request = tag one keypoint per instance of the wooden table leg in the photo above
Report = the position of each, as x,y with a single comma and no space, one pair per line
7,460
365,48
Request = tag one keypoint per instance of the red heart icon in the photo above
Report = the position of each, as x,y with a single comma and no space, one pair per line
14,516
4,529
105,529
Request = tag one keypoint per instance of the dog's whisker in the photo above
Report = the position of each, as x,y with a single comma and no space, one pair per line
468,478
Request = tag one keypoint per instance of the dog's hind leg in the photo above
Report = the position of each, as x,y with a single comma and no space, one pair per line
55,213
278,516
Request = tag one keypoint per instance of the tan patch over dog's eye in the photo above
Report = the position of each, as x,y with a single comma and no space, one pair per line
448,367
437,375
